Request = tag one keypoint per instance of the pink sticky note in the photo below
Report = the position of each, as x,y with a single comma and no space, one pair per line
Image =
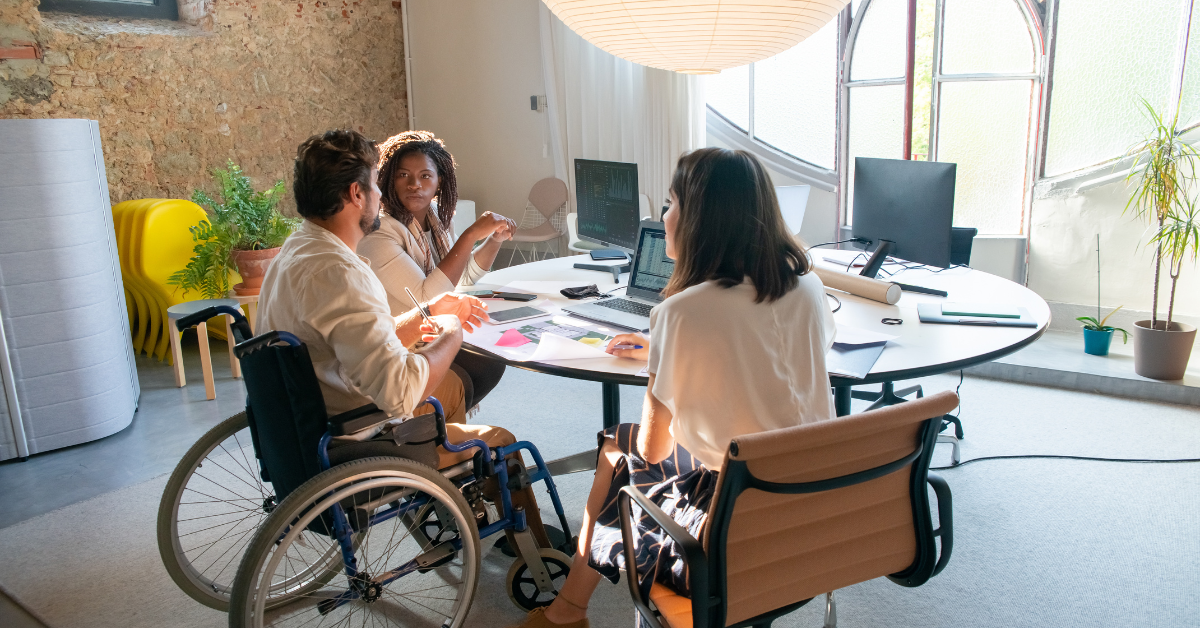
511,338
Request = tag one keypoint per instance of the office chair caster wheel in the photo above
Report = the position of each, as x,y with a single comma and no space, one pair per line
522,589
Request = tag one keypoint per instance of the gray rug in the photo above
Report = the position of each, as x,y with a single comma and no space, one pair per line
1037,542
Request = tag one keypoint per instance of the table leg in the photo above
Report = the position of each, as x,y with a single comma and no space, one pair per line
210,388
841,400
610,396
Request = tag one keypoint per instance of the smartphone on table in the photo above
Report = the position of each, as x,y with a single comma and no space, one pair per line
516,314
507,296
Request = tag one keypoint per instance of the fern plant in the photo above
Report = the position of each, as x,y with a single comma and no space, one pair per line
244,220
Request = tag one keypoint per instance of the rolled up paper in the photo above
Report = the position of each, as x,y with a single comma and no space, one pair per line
859,286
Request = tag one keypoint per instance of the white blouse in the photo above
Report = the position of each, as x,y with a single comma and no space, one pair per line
726,366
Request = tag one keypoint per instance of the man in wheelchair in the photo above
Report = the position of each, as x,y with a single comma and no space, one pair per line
321,291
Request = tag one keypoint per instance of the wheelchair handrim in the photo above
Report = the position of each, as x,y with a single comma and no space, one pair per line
348,487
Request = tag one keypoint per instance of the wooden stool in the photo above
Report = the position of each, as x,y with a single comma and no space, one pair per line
251,303
176,312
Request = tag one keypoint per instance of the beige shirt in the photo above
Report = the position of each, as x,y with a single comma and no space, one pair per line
318,289
398,260
726,366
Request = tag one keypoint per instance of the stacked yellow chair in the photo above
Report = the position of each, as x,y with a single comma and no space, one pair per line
154,241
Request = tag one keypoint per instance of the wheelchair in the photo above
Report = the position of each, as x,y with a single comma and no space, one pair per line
265,519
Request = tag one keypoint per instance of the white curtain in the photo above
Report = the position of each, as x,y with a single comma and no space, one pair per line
604,107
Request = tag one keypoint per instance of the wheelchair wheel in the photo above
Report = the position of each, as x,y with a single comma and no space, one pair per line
213,503
400,579
522,589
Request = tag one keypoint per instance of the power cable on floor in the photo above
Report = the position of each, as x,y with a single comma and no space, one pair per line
1057,457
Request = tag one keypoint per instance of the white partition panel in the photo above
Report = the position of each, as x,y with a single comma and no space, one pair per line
67,362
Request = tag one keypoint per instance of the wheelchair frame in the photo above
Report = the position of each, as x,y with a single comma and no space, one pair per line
481,467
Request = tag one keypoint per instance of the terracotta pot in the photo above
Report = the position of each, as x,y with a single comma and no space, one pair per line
1162,353
252,266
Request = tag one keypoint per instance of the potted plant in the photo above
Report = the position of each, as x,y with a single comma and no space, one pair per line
244,233
1159,175
1097,337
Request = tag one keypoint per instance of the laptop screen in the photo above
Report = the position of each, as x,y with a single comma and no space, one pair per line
651,266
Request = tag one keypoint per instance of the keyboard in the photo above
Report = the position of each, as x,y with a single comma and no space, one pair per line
625,305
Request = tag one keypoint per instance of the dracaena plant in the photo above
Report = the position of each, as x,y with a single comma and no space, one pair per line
243,220
1159,175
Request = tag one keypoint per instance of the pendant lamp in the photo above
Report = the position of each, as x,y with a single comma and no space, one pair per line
695,36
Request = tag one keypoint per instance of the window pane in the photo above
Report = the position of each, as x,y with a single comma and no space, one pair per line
1189,104
991,151
876,129
1105,62
879,47
729,94
986,36
795,98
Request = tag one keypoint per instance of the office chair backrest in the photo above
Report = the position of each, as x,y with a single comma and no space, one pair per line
961,240
286,411
548,195
772,549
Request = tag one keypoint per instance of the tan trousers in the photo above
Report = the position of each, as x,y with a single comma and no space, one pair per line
451,395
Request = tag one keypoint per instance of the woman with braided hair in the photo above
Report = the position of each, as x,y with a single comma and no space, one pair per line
414,246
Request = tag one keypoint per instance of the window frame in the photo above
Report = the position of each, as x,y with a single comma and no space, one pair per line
1115,168
1035,133
160,10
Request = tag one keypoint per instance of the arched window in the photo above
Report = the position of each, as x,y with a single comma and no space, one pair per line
976,96
787,102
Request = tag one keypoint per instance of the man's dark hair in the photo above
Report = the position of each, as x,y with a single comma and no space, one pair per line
326,165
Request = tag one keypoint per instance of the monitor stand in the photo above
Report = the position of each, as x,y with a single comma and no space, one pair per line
615,269
877,258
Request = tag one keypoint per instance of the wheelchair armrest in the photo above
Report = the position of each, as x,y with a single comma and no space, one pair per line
241,327
693,555
355,420
945,520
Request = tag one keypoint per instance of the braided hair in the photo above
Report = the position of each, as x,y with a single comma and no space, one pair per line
392,151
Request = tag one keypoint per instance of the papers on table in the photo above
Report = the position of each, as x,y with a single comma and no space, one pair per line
855,351
559,338
857,336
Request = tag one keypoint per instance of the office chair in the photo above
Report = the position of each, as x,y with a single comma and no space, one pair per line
543,218
961,239
802,511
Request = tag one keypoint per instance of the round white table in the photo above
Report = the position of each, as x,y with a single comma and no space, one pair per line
921,349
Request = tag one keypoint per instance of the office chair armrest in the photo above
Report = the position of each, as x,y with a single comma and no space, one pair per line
945,520
692,550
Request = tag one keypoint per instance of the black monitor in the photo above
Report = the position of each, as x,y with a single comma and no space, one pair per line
906,206
606,201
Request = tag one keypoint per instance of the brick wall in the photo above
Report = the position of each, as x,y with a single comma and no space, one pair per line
246,80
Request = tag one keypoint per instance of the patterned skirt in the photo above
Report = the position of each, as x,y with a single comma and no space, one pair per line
679,485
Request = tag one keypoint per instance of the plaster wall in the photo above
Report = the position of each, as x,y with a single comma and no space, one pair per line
248,81
475,63
1062,255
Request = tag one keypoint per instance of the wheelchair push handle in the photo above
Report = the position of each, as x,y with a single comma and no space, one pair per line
241,327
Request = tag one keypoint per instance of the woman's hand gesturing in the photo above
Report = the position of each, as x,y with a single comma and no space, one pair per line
492,225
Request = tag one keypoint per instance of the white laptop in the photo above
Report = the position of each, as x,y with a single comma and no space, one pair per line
648,275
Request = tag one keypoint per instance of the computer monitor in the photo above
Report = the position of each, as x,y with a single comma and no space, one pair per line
907,204
606,200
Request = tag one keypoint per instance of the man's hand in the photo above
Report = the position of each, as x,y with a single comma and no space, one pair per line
468,309
448,327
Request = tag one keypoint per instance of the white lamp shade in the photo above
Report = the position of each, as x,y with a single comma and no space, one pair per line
695,36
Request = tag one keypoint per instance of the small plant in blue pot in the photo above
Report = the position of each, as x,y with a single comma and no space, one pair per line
1097,336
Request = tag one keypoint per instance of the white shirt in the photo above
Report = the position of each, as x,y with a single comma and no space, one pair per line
397,258
318,289
726,366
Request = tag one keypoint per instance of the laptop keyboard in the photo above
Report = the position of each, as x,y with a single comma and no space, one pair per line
625,305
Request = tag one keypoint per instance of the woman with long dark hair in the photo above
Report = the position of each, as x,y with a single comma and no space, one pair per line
737,347
415,248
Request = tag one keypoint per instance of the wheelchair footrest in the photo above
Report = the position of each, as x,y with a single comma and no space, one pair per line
436,557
